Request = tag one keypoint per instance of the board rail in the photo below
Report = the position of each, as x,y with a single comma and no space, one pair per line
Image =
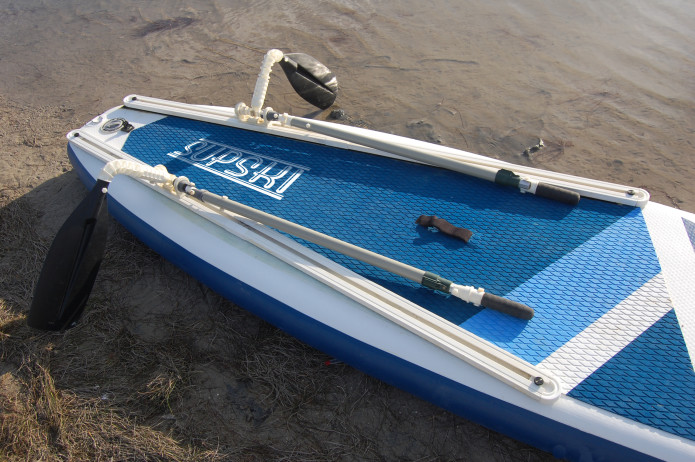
595,189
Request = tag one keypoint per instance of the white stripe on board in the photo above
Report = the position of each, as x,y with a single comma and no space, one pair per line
605,337
677,258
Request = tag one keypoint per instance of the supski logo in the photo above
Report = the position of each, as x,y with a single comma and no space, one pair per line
264,174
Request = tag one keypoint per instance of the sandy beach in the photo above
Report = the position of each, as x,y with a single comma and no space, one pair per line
162,368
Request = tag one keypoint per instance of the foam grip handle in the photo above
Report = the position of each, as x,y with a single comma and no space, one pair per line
557,193
506,306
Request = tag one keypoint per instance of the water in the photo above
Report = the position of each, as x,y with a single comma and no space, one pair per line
607,85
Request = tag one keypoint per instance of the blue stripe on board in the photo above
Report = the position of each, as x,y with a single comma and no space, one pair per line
373,202
573,292
651,381
690,229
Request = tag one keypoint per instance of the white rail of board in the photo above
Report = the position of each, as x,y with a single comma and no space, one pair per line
586,187
477,352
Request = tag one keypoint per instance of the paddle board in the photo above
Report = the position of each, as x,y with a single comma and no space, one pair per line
603,371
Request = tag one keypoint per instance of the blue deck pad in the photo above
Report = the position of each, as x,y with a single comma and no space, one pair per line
651,381
574,291
373,202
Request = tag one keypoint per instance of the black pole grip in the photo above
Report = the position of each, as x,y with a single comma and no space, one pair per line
557,193
506,306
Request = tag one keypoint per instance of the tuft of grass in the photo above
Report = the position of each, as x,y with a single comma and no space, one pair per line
39,421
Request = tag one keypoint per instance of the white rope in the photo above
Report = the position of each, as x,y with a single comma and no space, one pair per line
272,57
156,174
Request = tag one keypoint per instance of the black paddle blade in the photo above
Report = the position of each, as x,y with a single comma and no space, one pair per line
310,79
71,265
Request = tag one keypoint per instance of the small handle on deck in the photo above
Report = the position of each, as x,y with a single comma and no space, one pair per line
444,226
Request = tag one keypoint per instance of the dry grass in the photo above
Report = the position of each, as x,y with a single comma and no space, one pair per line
41,422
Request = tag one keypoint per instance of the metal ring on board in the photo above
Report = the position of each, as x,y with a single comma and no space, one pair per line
114,125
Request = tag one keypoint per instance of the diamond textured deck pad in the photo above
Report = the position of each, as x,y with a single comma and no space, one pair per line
652,393
581,268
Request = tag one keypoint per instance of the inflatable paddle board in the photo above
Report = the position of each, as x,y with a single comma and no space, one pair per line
602,371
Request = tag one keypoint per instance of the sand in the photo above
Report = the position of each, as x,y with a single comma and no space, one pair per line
162,368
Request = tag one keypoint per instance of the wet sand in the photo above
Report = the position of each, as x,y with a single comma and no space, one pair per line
158,356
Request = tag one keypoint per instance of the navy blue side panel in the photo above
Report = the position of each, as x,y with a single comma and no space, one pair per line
546,434
646,378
